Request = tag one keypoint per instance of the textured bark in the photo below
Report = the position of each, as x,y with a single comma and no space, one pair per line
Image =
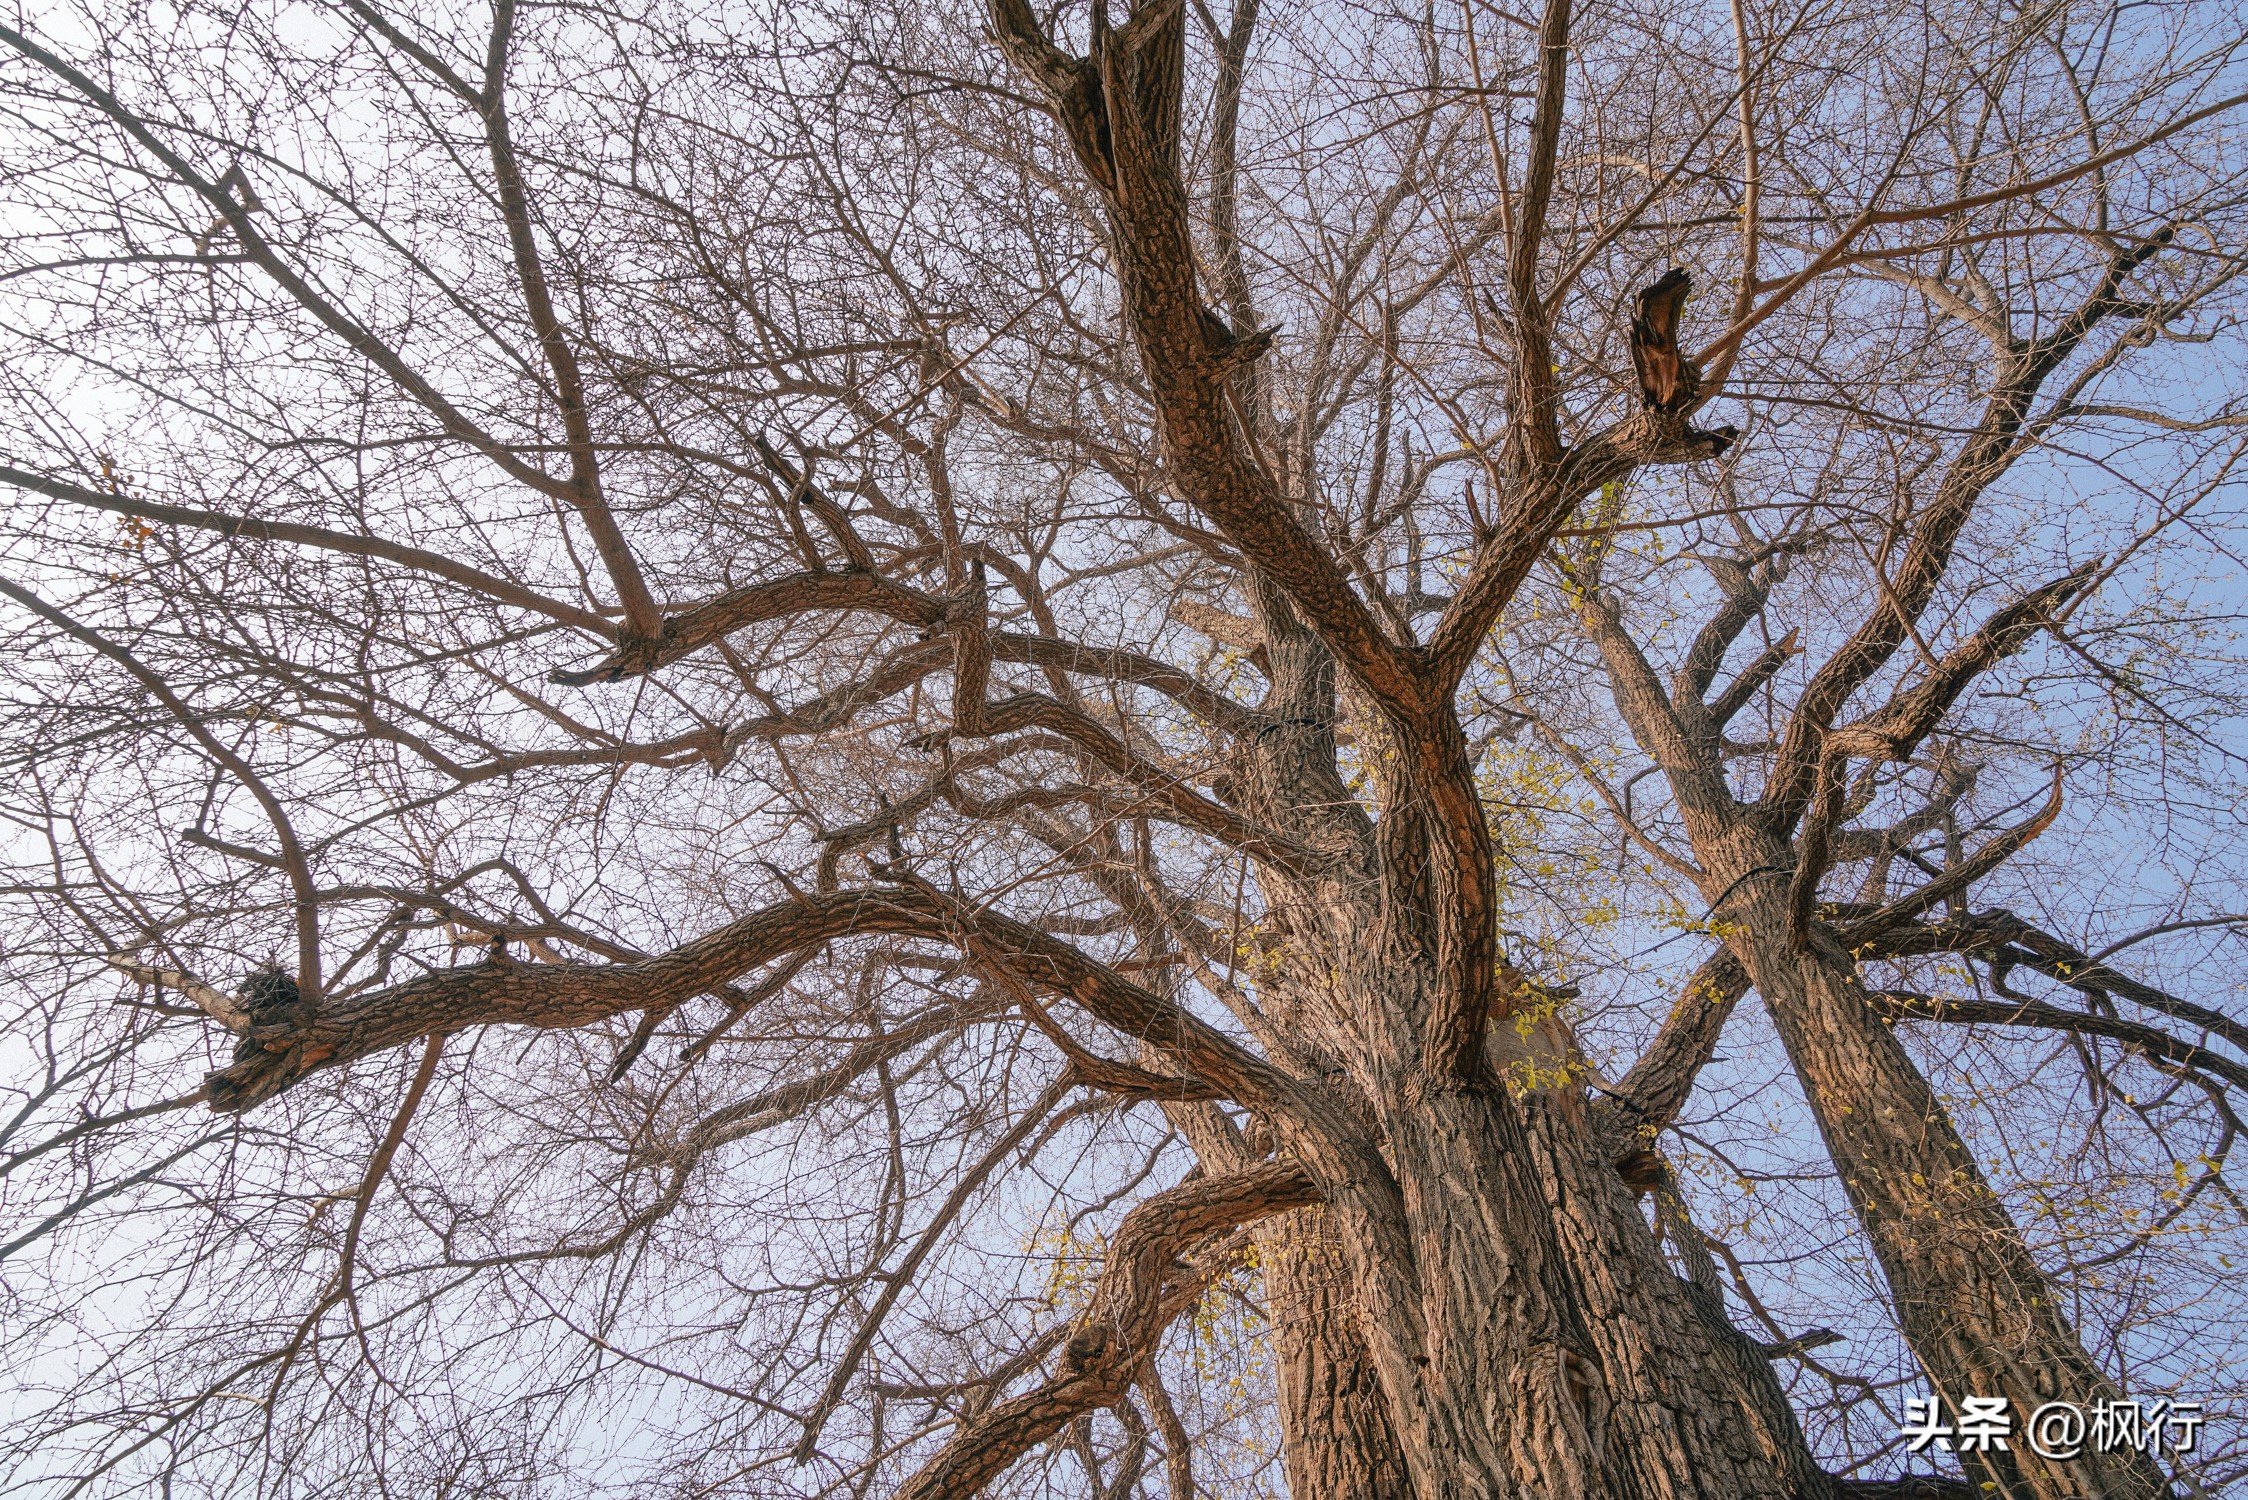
1716,1387
1971,1301
1336,1434
1142,1289
1334,1419
1976,1309
1564,1357
1723,1397
1526,1334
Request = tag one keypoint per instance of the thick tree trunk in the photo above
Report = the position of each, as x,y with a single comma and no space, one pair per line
1974,1306
1334,1420
1617,1257
1627,1388
1716,1387
1336,1434
1668,1398
1557,1355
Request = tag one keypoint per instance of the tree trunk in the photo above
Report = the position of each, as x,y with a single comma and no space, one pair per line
1635,1389
1715,1381
1668,1398
1334,1421
1556,1354
1978,1312
1335,1430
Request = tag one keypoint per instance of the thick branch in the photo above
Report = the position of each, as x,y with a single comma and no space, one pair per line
1534,423
1725,705
1543,495
1696,776
1140,1293
1651,1094
794,594
556,996
2151,1040
1954,881
1187,352
757,604
213,1002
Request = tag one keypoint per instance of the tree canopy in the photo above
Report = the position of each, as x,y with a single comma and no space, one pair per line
849,749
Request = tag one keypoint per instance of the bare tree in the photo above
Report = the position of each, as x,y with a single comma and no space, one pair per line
848,750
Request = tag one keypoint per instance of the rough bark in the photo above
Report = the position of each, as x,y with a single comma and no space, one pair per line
1334,1420
1978,1312
1141,1290
1721,1381
1564,1356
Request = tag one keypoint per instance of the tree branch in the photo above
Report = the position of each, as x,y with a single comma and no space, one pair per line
566,995
506,591
2154,1041
1139,1295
